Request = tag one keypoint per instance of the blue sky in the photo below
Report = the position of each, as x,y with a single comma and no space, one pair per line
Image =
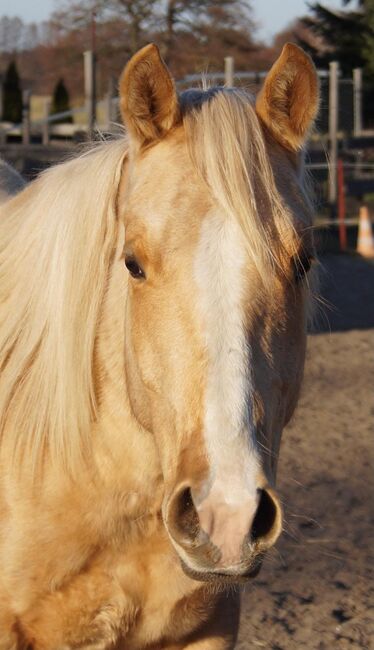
271,15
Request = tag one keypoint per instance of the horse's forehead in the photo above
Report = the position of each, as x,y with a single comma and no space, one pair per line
165,197
164,163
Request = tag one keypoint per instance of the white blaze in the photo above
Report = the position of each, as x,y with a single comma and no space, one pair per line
228,428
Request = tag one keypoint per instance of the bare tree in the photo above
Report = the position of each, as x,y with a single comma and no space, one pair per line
138,15
11,34
213,23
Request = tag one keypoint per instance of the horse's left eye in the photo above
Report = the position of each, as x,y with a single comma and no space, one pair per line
301,266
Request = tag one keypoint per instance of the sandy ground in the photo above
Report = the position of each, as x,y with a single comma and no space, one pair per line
316,590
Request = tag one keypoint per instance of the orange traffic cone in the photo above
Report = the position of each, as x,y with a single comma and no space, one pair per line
365,240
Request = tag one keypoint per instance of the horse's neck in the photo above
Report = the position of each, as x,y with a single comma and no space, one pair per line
124,451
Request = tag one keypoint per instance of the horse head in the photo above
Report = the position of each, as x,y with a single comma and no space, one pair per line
217,247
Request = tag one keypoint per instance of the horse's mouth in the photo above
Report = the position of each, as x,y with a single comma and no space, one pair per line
223,578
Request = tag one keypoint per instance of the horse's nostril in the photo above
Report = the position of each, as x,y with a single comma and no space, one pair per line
182,518
267,522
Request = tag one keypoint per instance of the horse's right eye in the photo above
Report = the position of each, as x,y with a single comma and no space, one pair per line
301,266
134,269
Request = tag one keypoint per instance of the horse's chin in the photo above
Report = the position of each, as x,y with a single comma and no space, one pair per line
223,578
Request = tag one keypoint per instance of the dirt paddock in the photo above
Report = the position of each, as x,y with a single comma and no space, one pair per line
316,591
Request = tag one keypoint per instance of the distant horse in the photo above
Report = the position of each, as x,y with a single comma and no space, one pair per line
152,335
10,181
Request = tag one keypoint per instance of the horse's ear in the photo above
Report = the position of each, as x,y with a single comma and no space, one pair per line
149,103
288,100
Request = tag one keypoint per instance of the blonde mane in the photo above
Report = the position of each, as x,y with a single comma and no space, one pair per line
227,145
57,239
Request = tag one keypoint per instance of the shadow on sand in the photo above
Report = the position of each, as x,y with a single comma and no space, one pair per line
347,288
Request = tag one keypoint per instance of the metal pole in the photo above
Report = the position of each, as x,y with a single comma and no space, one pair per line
111,113
26,117
93,31
107,110
45,128
333,132
357,101
114,102
90,90
1,97
229,71
341,207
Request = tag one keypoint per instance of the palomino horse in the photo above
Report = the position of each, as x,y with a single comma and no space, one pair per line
152,339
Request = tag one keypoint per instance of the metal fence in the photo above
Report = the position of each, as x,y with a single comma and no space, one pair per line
347,104
341,116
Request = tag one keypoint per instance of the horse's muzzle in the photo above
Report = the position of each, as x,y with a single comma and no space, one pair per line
221,541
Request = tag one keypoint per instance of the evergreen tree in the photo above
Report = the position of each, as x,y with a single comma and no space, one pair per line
12,95
368,44
61,102
346,36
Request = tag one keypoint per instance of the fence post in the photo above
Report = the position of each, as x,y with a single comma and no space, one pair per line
90,90
2,131
26,116
229,71
110,116
333,132
45,127
114,111
357,101
341,207
1,96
